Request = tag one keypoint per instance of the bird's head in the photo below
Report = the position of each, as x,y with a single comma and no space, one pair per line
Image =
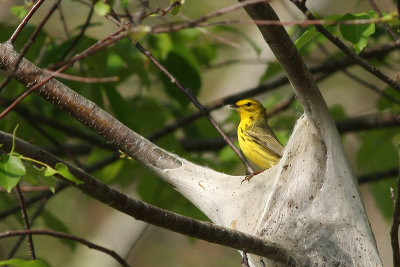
248,108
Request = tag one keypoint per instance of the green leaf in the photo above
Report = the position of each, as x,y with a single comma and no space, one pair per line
377,144
102,8
177,8
138,32
55,224
337,112
381,193
377,153
11,170
161,44
181,63
63,170
120,106
19,11
385,104
49,171
306,37
357,34
24,263
32,173
205,52
50,181
310,37
110,173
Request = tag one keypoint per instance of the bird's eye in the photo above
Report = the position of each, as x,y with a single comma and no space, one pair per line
248,104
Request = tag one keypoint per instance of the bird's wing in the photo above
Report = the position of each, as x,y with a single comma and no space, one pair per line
267,139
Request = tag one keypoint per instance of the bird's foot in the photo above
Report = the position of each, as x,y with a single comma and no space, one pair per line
248,177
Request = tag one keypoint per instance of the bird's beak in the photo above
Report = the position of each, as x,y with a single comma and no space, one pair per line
234,106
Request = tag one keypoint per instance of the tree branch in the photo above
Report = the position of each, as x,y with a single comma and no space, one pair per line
26,221
394,231
66,236
25,21
154,215
360,61
368,122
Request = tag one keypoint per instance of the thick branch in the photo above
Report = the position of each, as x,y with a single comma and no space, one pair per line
151,214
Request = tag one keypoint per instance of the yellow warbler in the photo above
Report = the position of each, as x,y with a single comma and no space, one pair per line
256,139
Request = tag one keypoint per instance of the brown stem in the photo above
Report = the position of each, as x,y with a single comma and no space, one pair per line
26,221
25,21
394,231
188,93
65,236
353,56
154,215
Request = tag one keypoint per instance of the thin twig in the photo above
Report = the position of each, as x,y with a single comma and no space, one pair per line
36,214
64,22
30,41
359,60
281,106
177,26
111,39
385,25
25,21
83,79
154,215
28,189
377,176
188,93
367,122
32,200
394,231
62,235
60,187
26,221
80,35
370,86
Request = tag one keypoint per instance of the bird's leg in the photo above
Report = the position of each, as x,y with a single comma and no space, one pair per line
248,177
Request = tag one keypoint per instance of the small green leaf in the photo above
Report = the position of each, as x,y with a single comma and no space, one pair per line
337,111
63,170
183,65
178,7
11,170
357,34
385,104
311,32
50,181
381,193
49,171
24,263
19,11
306,37
161,44
102,8
377,144
137,32
32,173
205,52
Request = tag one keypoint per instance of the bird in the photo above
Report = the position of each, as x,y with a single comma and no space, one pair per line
256,139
